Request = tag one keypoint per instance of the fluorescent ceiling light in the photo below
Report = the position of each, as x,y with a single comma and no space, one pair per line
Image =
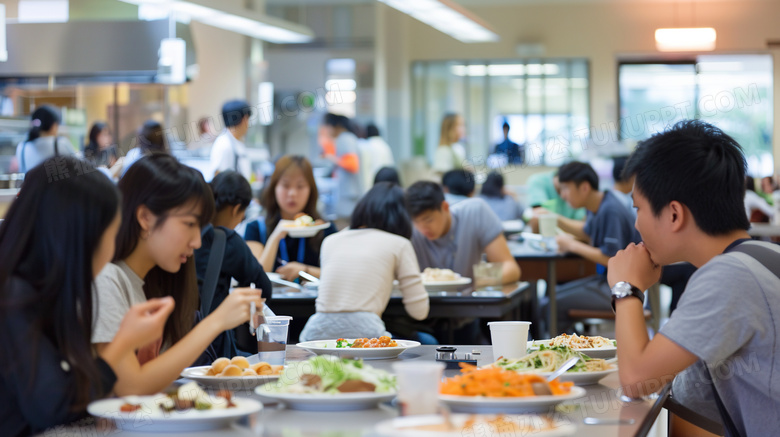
3,45
341,84
447,17
685,39
241,21
506,70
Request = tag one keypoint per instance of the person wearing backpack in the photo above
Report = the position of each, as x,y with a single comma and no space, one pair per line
224,254
43,140
720,346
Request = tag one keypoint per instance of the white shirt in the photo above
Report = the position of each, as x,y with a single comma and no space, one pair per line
449,158
226,152
754,201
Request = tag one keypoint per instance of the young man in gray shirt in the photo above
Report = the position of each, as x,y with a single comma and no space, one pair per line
455,238
723,340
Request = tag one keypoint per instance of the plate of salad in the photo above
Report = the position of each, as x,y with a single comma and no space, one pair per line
364,348
330,383
547,359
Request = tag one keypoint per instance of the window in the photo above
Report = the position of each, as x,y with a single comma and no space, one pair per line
544,101
733,92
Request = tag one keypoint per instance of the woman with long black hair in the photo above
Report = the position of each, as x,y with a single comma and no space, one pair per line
164,206
99,150
42,140
56,236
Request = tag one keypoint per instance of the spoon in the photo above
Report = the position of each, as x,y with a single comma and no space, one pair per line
542,388
308,277
257,321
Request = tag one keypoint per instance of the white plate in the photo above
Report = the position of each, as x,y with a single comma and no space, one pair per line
273,275
532,425
583,378
446,285
482,404
605,352
233,383
152,419
328,347
325,401
513,225
304,231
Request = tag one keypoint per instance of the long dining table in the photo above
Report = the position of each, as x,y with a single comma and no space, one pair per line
600,404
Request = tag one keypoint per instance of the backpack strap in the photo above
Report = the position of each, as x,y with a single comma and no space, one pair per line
769,259
56,148
216,257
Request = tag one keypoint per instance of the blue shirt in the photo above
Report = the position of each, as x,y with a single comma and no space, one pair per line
513,151
611,228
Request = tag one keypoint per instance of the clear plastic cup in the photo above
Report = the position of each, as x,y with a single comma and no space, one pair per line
509,339
548,225
272,343
418,386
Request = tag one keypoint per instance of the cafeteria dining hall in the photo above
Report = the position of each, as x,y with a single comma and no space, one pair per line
389,218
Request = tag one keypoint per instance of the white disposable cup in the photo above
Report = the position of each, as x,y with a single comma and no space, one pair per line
418,386
509,339
548,224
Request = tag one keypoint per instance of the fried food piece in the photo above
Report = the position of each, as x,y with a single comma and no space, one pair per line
248,372
241,362
354,386
219,365
232,370
261,367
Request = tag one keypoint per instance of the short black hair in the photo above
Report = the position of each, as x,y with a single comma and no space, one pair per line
387,174
383,208
578,172
458,182
423,196
505,126
336,120
618,164
698,165
230,188
372,130
234,111
493,186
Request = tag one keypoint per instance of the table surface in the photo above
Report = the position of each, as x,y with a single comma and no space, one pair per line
601,401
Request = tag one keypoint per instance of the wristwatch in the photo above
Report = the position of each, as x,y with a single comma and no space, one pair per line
624,289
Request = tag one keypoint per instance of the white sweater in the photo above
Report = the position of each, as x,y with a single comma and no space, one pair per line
358,269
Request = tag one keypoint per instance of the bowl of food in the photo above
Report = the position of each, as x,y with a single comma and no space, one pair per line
303,226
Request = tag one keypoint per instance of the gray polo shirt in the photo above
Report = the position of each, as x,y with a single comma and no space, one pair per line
474,226
729,317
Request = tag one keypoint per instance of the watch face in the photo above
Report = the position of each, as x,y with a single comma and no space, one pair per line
621,289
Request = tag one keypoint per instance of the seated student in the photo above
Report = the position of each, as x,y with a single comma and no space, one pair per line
623,186
503,204
56,236
387,174
455,238
458,185
722,342
290,191
357,279
151,139
164,206
608,228
543,191
232,195
756,207
42,140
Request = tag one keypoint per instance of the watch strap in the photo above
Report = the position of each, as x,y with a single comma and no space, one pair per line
636,292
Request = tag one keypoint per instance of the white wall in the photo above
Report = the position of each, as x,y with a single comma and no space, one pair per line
222,57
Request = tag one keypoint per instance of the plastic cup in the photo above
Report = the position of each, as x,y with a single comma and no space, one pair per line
418,387
272,345
509,339
548,224
488,276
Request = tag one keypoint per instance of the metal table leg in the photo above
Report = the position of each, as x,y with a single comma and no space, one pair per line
551,282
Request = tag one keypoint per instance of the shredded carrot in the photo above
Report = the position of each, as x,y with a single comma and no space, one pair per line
497,382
